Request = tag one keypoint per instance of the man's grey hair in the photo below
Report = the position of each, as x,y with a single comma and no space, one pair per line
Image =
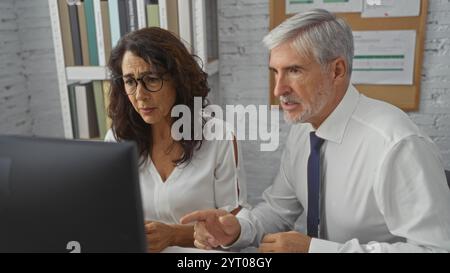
317,32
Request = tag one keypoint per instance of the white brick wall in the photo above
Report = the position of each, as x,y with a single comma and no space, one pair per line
244,79
31,106
15,115
434,114
40,68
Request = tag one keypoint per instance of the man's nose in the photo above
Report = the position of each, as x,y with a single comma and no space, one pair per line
281,86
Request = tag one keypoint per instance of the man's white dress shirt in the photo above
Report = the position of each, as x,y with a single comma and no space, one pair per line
383,187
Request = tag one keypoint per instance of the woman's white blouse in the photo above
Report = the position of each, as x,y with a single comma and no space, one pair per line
210,180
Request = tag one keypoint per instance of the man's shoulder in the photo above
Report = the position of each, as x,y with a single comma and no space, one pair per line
384,119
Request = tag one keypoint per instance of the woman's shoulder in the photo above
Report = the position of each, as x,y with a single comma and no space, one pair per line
219,139
217,129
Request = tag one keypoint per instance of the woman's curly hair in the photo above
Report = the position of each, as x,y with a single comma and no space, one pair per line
168,55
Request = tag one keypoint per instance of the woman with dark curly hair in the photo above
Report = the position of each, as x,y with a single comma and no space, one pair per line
152,72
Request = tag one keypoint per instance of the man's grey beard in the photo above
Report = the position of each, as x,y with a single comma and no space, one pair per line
292,120
318,105
288,119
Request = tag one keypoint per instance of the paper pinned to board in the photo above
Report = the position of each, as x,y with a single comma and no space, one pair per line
384,57
294,6
390,8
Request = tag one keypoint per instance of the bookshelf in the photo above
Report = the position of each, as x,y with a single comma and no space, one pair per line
84,33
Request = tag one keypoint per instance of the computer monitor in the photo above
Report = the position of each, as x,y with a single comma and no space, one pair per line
69,196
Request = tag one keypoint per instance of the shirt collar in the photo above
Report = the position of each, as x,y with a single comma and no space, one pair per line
333,128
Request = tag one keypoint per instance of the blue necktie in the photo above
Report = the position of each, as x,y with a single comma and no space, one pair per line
313,185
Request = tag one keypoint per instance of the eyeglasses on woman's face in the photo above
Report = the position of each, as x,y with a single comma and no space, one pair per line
151,82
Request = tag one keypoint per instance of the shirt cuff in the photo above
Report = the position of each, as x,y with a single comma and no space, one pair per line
244,238
323,246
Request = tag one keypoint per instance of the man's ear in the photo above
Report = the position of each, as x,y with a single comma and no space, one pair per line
339,70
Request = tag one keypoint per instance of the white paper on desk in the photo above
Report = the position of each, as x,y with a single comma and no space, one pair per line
294,6
384,57
177,249
390,8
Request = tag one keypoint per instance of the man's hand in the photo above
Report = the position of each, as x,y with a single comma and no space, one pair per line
159,236
287,242
213,228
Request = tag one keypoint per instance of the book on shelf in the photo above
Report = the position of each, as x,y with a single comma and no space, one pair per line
66,36
141,6
162,5
83,34
106,93
88,108
100,107
123,17
153,14
106,29
185,24
73,109
75,33
172,16
86,113
114,21
132,15
99,32
91,32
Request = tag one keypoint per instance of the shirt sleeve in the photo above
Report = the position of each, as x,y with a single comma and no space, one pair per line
230,189
413,196
277,213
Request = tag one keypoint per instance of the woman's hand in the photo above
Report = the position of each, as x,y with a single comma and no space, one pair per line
159,236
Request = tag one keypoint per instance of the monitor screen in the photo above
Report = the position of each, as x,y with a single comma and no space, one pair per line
69,196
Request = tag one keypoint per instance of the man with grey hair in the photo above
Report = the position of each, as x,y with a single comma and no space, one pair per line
356,170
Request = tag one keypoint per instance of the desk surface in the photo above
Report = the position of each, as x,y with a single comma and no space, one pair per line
177,249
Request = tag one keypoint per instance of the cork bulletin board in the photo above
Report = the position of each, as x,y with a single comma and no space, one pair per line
405,97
